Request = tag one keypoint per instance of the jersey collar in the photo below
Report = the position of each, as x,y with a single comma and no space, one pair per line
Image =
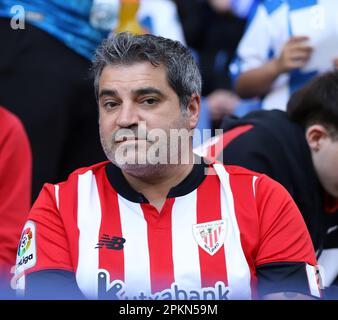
189,184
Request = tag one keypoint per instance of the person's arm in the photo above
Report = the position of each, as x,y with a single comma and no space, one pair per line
258,81
43,257
15,188
52,285
285,260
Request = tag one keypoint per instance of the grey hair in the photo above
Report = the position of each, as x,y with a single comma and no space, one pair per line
125,49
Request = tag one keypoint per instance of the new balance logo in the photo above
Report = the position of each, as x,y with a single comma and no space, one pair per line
113,243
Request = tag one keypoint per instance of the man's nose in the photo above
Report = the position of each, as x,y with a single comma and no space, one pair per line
128,115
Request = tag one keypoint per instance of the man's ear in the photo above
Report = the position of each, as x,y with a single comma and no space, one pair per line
193,110
315,135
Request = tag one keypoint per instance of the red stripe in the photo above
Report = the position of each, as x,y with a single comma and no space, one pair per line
215,235
52,249
213,268
205,239
109,259
160,245
215,150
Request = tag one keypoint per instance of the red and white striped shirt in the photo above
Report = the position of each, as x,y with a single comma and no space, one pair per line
211,235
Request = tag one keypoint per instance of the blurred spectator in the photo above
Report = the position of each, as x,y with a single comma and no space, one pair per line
213,29
43,77
158,17
161,19
15,189
286,44
44,74
299,149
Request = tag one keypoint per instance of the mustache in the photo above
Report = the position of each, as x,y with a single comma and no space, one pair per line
135,133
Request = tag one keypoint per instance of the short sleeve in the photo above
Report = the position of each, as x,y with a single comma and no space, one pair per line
283,233
43,243
286,259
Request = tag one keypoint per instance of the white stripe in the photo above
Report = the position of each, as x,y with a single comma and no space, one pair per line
89,221
254,185
187,270
238,270
209,239
313,284
136,250
56,190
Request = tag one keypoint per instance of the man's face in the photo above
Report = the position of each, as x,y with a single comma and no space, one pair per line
137,111
326,164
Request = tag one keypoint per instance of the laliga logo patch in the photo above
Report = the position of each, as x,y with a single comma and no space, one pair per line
210,235
25,241
26,257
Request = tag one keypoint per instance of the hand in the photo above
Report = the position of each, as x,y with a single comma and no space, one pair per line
220,103
295,54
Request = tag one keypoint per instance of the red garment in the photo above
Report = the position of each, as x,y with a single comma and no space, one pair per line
15,187
331,203
86,226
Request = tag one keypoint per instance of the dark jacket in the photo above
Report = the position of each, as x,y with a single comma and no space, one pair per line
277,147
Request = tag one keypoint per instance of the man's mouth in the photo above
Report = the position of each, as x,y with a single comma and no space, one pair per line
124,139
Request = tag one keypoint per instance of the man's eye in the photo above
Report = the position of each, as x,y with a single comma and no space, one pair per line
109,105
150,101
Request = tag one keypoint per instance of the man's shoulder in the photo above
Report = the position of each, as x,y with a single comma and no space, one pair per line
93,169
244,175
234,170
66,187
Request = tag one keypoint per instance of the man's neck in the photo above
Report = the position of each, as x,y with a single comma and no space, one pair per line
155,187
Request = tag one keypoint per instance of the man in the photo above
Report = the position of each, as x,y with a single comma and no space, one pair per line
15,188
154,222
299,149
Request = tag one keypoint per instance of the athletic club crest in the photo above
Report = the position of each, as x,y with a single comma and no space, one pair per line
210,235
